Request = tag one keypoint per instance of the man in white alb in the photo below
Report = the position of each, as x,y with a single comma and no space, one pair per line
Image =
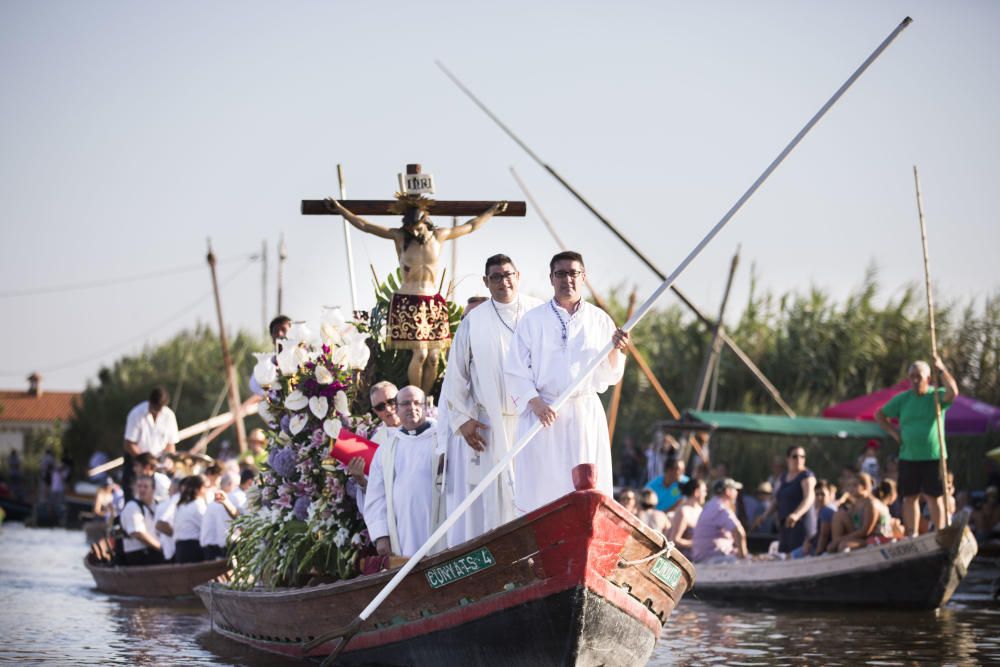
401,503
483,419
552,344
150,427
382,396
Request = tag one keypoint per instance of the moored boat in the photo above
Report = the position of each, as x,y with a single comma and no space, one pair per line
169,580
578,581
919,573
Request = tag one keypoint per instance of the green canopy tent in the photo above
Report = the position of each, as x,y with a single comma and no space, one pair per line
798,427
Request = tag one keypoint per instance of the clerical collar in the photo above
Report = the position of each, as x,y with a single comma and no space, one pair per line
416,431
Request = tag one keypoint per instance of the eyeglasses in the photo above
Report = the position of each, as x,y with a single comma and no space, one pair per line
389,402
406,404
559,275
497,278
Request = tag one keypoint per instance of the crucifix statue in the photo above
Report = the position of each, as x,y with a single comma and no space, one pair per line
418,314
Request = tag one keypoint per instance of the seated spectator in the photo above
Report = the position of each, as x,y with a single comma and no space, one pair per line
140,546
628,500
826,510
191,508
868,461
218,517
685,516
165,512
758,505
868,517
667,486
144,465
649,514
211,476
718,536
109,500
238,496
886,492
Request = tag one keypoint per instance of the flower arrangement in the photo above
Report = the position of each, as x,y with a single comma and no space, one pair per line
303,518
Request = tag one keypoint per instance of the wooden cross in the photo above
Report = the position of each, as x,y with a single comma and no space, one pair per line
392,207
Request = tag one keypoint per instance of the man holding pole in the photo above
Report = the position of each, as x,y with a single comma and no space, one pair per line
550,346
482,414
920,449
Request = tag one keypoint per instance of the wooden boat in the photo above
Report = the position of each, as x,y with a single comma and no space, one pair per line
152,581
578,581
15,510
919,573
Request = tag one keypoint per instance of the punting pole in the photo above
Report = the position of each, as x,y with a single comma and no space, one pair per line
616,394
351,629
737,350
943,460
347,242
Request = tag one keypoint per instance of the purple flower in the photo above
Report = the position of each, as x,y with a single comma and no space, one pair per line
282,461
301,508
284,424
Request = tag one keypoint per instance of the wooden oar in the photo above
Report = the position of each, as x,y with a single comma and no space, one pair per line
345,634
616,394
943,460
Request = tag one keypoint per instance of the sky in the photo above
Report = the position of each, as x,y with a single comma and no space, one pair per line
132,132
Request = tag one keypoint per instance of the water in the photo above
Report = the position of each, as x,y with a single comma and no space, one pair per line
51,614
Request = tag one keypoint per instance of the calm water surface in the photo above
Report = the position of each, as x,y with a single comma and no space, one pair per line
51,614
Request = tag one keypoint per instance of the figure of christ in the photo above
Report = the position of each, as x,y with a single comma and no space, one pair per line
550,346
418,314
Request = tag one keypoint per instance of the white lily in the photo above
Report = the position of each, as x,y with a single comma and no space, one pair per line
319,406
265,372
299,333
296,400
323,374
354,355
290,358
332,427
265,413
340,403
297,423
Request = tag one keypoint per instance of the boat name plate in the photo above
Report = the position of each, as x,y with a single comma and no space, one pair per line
459,568
666,571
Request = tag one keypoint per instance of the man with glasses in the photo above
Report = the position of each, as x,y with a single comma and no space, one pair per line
402,502
382,396
480,412
550,347
917,435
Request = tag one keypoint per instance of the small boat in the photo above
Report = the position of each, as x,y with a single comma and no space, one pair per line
578,581
15,510
919,573
152,581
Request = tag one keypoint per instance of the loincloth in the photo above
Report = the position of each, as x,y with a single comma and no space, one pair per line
418,322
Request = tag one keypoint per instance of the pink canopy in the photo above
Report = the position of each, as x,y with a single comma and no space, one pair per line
966,416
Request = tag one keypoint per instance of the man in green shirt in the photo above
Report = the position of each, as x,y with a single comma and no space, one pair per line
917,435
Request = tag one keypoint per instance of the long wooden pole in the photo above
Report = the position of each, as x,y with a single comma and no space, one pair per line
282,255
235,406
715,345
943,460
347,242
349,631
705,319
616,394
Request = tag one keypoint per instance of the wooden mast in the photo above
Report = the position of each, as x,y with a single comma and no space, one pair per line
235,406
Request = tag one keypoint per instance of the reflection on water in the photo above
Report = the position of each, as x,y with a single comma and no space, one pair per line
51,614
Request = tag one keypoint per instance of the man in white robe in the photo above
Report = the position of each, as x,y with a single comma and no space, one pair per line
483,419
382,396
551,346
400,502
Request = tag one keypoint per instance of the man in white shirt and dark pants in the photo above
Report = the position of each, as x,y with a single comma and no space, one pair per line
150,427
551,346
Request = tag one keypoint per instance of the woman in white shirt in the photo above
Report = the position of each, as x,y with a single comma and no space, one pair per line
187,520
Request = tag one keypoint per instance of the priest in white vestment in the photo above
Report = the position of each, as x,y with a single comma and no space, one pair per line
382,396
401,502
483,419
552,344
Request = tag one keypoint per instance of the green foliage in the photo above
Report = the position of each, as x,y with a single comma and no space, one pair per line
189,366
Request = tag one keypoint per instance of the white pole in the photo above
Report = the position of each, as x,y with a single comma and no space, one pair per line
347,243
639,314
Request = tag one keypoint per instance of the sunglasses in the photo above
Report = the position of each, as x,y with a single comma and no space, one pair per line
389,402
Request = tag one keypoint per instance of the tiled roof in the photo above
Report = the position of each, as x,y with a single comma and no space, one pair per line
21,406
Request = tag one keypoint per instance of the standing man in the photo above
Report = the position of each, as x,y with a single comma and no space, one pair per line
917,435
401,502
150,427
550,347
482,414
382,396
